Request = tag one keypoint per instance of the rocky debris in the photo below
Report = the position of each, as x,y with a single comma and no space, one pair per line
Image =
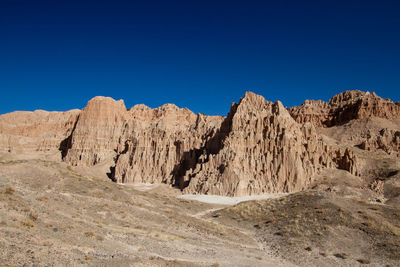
345,107
307,222
387,140
24,131
348,161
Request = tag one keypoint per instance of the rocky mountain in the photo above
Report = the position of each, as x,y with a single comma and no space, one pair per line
344,107
24,131
259,147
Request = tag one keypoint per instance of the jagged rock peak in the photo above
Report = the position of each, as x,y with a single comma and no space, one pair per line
172,109
141,111
97,132
259,148
140,107
105,101
251,97
350,95
168,106
345,107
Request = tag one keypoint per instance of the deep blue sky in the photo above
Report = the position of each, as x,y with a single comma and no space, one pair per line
56,55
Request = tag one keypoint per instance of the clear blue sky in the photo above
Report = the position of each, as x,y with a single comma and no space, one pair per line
56,55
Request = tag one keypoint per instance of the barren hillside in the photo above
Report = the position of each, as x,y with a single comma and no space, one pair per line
69,184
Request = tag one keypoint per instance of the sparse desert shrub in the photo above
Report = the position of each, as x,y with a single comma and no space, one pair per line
364,261
361,201
89,234
33,216
170,211
340,255
42,198
28,223
47,244
139,227
10,190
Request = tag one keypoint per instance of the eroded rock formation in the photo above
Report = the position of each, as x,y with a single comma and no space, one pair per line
259,147
344,107
386,140
264,150
24,131
97,132
155,144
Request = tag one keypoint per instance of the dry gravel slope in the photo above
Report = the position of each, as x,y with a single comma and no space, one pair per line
50,215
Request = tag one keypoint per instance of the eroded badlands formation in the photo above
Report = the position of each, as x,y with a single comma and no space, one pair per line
258,147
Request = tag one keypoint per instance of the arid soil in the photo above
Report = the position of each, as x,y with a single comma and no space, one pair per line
50,215
321,229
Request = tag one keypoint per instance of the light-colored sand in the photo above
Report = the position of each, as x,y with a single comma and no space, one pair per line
141,186
213,199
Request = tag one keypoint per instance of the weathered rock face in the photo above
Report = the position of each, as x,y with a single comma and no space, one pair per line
24,131
386,140
97,132
158,141
344,107
259,147
346,160
263,150
313,111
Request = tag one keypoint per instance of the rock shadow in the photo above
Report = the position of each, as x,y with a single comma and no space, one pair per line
212,146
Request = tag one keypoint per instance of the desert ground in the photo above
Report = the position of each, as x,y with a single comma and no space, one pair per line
52,214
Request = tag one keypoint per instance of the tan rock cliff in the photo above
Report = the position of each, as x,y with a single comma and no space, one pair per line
259,147
262,150
344,107
24,131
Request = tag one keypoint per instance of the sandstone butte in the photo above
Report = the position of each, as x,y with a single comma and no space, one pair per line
259,147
